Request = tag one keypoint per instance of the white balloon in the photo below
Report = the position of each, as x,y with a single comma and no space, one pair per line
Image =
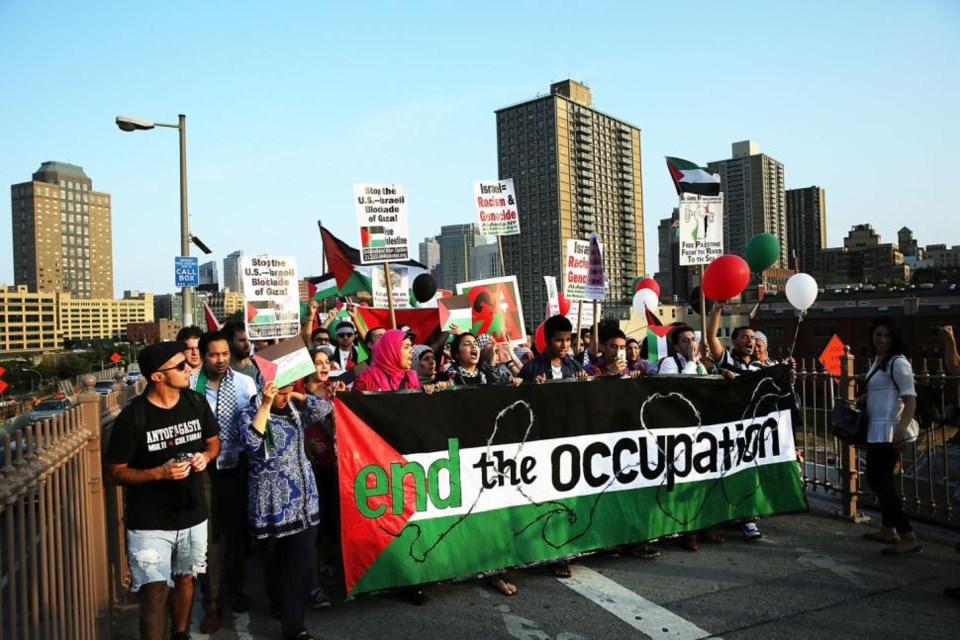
645,299
801,291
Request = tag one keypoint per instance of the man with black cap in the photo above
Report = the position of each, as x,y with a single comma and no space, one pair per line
160,443
346,355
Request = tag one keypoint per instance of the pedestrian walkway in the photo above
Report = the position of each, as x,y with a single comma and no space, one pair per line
810,576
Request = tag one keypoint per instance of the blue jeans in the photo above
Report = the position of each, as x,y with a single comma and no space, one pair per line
157,556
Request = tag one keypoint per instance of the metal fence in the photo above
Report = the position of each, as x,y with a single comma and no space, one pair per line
62,561
929,468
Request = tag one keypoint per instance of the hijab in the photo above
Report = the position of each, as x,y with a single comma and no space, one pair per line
386,372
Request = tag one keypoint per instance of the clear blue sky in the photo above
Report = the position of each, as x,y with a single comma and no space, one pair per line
290,104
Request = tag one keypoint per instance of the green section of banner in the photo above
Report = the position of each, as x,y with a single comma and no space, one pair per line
449,547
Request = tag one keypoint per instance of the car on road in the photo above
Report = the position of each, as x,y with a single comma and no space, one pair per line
104,387
133,377
50,408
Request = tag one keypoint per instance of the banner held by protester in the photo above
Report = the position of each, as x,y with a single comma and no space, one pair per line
476,479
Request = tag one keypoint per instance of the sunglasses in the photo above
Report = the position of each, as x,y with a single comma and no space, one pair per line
180,366
348,334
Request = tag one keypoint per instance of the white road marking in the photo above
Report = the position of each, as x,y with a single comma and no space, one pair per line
643,615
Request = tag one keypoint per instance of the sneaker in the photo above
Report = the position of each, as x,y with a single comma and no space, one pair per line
319,599
750,531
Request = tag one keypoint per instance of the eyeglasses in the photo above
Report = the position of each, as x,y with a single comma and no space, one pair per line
180,366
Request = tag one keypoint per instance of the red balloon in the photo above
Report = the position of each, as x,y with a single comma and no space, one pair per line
726,277
648,283
564,304
539,339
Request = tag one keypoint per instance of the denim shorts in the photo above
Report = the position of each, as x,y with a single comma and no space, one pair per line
157,556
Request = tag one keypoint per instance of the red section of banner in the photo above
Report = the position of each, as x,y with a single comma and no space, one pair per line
359,447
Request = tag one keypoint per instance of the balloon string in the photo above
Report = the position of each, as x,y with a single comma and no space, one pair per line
796,334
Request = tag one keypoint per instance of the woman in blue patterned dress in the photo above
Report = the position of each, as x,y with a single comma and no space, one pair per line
284,508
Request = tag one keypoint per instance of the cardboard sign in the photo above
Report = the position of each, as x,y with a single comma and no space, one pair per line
495,308
271,296
701,229
285,363
830,358
399,283
497,207
382,221
586,318
455,310
596,280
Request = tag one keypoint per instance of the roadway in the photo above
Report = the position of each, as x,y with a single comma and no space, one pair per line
811,576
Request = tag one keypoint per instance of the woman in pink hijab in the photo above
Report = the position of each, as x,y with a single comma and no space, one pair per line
390,367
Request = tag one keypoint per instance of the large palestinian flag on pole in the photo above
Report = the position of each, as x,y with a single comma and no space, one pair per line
690,178
474,479
352,276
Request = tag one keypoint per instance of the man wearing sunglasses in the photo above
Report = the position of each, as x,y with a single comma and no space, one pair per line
160,444
346,355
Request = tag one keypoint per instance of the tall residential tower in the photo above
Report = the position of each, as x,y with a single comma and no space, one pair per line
807,221
576,171
62,233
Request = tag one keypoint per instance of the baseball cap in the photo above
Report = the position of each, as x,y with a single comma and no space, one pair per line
155,355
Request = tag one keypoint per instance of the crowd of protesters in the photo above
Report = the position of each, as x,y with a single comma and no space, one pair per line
269,452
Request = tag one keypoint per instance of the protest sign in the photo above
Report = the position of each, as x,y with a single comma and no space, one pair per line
455,310
495,308
539,472
400,286
585,316
575,268
285,363
553,299
497,207
382,219
271,296
596,285
701,229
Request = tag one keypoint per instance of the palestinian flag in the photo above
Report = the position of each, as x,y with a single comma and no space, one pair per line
657,341
424,323
212,323
352,276
465,482
322,287
689,178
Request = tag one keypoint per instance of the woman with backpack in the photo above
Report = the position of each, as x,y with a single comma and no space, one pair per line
890,403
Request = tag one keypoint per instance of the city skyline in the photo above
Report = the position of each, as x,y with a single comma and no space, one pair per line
382,115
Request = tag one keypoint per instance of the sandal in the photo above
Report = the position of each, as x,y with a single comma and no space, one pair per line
561,570
506,588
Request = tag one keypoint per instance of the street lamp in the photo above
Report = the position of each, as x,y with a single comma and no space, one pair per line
130,123
39,375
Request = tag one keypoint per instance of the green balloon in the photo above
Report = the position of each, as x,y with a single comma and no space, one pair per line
763,251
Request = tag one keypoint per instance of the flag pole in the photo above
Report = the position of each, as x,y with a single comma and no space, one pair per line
595,340
323,260
386,275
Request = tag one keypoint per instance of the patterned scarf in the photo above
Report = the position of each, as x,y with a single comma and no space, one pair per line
226,412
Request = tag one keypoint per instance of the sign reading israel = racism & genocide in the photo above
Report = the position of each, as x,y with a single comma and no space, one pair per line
496,207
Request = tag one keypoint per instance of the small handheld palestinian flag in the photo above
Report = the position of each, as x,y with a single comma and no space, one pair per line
690,178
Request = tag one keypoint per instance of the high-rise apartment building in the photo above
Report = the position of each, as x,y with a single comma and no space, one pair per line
576,170
456,243
430,252
807,225
208,273
231,272
673,279
485,262
754,199
62,233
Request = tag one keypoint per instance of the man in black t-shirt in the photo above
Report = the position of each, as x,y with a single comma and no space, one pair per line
159,444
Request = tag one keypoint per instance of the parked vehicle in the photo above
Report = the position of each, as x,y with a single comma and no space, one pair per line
133,377
50,408
104,387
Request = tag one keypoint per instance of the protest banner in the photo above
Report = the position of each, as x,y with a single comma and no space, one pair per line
271,296
383,223
595,289
553,298
400,287
701,229
497,207
495,308
285,363
476,479
576,268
